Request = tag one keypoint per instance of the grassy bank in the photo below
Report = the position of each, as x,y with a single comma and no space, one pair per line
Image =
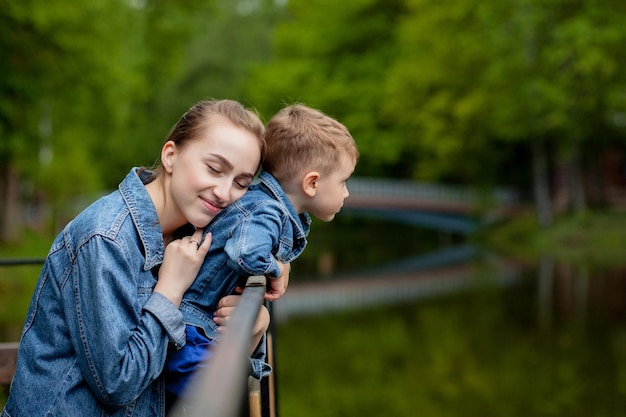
595,238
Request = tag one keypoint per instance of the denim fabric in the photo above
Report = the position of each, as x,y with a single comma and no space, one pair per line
248,237
95,337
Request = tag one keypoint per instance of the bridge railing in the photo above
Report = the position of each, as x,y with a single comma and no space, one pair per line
398,188
223,386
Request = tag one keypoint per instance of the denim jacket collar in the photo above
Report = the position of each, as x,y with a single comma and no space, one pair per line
302,222
137,199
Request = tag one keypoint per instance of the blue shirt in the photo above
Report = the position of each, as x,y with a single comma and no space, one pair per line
248,237
96,336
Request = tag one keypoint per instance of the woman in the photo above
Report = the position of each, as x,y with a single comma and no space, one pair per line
105,308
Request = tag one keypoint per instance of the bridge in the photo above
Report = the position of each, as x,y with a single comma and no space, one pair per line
444,207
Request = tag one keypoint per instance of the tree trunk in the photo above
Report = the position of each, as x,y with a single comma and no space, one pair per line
562,198
577,188
10,220
540,185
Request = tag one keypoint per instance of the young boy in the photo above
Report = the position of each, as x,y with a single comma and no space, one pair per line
308,158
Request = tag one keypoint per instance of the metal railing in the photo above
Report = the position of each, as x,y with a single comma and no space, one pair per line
22,261
219,389
223,386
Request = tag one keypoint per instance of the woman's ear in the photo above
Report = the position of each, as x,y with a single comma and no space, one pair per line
168,153
310,182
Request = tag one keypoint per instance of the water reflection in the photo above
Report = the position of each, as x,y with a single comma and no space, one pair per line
542,338
550,344
431,275
574,292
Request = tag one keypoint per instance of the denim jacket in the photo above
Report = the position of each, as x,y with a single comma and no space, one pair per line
95,337
263,222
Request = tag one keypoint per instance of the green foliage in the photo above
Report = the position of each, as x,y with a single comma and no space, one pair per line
83,85
217,57
336,61
77,56
502,71
444,91
450,90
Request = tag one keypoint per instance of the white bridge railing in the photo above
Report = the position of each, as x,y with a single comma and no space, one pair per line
421,191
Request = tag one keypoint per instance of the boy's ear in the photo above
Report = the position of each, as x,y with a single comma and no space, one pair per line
167,156
310,182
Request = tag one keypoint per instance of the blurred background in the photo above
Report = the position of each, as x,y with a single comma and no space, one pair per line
478,267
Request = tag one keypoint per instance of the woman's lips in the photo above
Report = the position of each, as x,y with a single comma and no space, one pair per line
211,207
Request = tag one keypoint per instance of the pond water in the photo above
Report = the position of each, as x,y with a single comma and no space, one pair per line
503,339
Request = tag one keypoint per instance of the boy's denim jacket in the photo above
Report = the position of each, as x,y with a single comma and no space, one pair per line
96,336
263,222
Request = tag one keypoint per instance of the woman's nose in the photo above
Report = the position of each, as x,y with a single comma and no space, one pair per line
222,191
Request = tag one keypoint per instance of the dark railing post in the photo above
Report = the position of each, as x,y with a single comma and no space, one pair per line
22,261
269,392
220,388
8,358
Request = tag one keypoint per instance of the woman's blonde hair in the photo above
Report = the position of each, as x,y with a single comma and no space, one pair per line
201,114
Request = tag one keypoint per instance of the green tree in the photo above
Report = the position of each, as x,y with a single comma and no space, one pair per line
475,79
166,31
459,91
220,52
86,93
64,70
333,56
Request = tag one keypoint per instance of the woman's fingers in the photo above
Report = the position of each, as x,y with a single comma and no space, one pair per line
196,242
206,243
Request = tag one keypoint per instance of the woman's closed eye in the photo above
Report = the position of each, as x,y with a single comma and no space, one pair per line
214,169
242,185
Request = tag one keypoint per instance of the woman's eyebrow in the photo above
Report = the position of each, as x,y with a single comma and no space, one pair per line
222,160
247,175
230,166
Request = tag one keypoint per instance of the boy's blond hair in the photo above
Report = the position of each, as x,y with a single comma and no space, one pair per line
301,139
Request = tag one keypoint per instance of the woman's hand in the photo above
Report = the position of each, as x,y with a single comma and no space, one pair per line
181,262
225,309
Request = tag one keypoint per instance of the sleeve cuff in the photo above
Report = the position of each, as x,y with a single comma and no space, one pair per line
170,317
259,368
